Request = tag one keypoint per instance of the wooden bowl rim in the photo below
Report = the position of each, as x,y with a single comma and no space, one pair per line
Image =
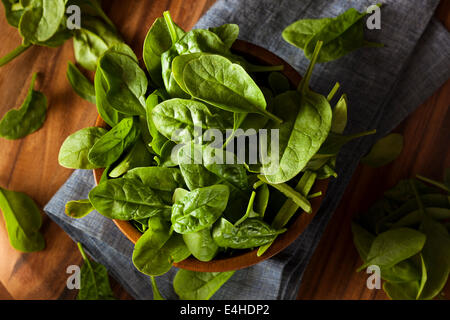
248,258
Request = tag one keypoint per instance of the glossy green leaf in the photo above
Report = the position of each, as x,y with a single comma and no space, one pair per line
78,208
191,285
384,151
80,84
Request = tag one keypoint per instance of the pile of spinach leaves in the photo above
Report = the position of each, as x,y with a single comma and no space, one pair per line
193,80
406,234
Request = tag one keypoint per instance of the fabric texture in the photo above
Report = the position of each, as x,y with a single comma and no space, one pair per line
383,86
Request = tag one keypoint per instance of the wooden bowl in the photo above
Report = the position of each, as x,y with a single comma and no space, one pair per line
300,221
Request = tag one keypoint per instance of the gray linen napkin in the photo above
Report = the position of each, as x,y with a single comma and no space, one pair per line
383,85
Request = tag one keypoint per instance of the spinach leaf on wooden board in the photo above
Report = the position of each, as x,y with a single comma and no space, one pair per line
249,234
126,199
114,143
199,208
216,80
301,137
158,248
30,117
78,208
157,42
191,285
74,151
384,151
80,84
23,221
94,280
127,83
393,246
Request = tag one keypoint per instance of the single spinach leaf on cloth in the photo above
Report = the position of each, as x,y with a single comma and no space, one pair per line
41,20
157,41
92,41
340,36
114,143
127,199
127,83
201,244
19,123
249,234
228,33
393,246
299,138
216,80
80,84
199,209
138,156
191,285
94,280
183,120
23,221
78,208
158,248
384,151
74,151
299,32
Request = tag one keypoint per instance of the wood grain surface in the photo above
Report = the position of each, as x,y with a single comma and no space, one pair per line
30,164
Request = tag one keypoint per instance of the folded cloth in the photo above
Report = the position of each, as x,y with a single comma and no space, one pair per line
383,85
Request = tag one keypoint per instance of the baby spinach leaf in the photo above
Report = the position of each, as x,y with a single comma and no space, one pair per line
216,80
127,83
437,184
393,246
249,234
201,40
92,41
436,257
23,221
199,209
191,285
13,11
157,42
158,248
362,239
158,140
300,138
228,33
14,54
138,156
114,143
341,35
110,115
182,120
80,84
299,32
74,151
384,151
278,83
172,87
94,280
78,208
30,117
41,20
201,244
401,290
126,199
334,142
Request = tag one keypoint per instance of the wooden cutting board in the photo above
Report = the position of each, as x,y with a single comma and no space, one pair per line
30,165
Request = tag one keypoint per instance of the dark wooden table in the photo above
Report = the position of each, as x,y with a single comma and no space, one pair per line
30,165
